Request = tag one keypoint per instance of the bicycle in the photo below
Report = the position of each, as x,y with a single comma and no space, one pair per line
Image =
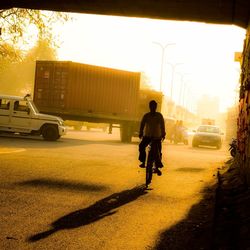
153,153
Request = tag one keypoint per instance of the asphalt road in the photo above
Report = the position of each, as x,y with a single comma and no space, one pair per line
86,191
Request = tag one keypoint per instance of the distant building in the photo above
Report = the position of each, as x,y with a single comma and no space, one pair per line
208,107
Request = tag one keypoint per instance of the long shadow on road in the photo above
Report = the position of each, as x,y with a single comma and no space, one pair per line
62,185
93,213
196,230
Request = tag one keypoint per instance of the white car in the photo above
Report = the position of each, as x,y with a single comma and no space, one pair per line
20,115
207,135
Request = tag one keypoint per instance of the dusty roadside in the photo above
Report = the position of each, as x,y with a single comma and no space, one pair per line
221,221
232,210
196,231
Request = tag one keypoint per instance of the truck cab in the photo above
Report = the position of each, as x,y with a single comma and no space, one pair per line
20,115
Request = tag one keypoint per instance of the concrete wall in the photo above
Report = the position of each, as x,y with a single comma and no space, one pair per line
243,132
231,123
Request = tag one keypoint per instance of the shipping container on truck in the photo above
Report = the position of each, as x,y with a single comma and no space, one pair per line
83,92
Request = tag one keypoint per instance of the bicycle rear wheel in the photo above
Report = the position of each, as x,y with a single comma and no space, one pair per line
149,172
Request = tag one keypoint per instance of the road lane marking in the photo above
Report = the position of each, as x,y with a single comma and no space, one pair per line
11,151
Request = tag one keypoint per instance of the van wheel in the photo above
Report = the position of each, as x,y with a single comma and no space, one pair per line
50,133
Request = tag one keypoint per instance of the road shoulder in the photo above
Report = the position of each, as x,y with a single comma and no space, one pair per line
232,214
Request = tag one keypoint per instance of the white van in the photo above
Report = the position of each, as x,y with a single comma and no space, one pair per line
20,115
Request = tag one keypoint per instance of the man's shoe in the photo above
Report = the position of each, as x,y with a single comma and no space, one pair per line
160,165
142,165
158,171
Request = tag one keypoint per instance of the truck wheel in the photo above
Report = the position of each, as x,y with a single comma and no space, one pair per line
126,133
50,133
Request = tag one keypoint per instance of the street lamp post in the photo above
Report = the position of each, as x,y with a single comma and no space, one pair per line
182,89
184,95
163,47
172,79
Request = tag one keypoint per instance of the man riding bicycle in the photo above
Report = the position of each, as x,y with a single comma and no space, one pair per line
152,128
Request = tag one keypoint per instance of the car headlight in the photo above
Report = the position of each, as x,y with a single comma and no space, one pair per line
61,122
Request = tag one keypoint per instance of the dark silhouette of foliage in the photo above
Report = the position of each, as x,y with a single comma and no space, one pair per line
20,29
15,24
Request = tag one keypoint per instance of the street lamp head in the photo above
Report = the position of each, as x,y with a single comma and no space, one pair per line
164,46
162,59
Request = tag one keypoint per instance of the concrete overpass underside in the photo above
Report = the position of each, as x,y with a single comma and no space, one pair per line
213,11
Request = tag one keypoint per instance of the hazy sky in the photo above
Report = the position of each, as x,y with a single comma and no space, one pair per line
204,52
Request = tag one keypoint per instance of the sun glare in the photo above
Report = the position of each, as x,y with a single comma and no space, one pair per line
197,55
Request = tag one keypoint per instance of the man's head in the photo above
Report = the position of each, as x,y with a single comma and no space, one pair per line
152,106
